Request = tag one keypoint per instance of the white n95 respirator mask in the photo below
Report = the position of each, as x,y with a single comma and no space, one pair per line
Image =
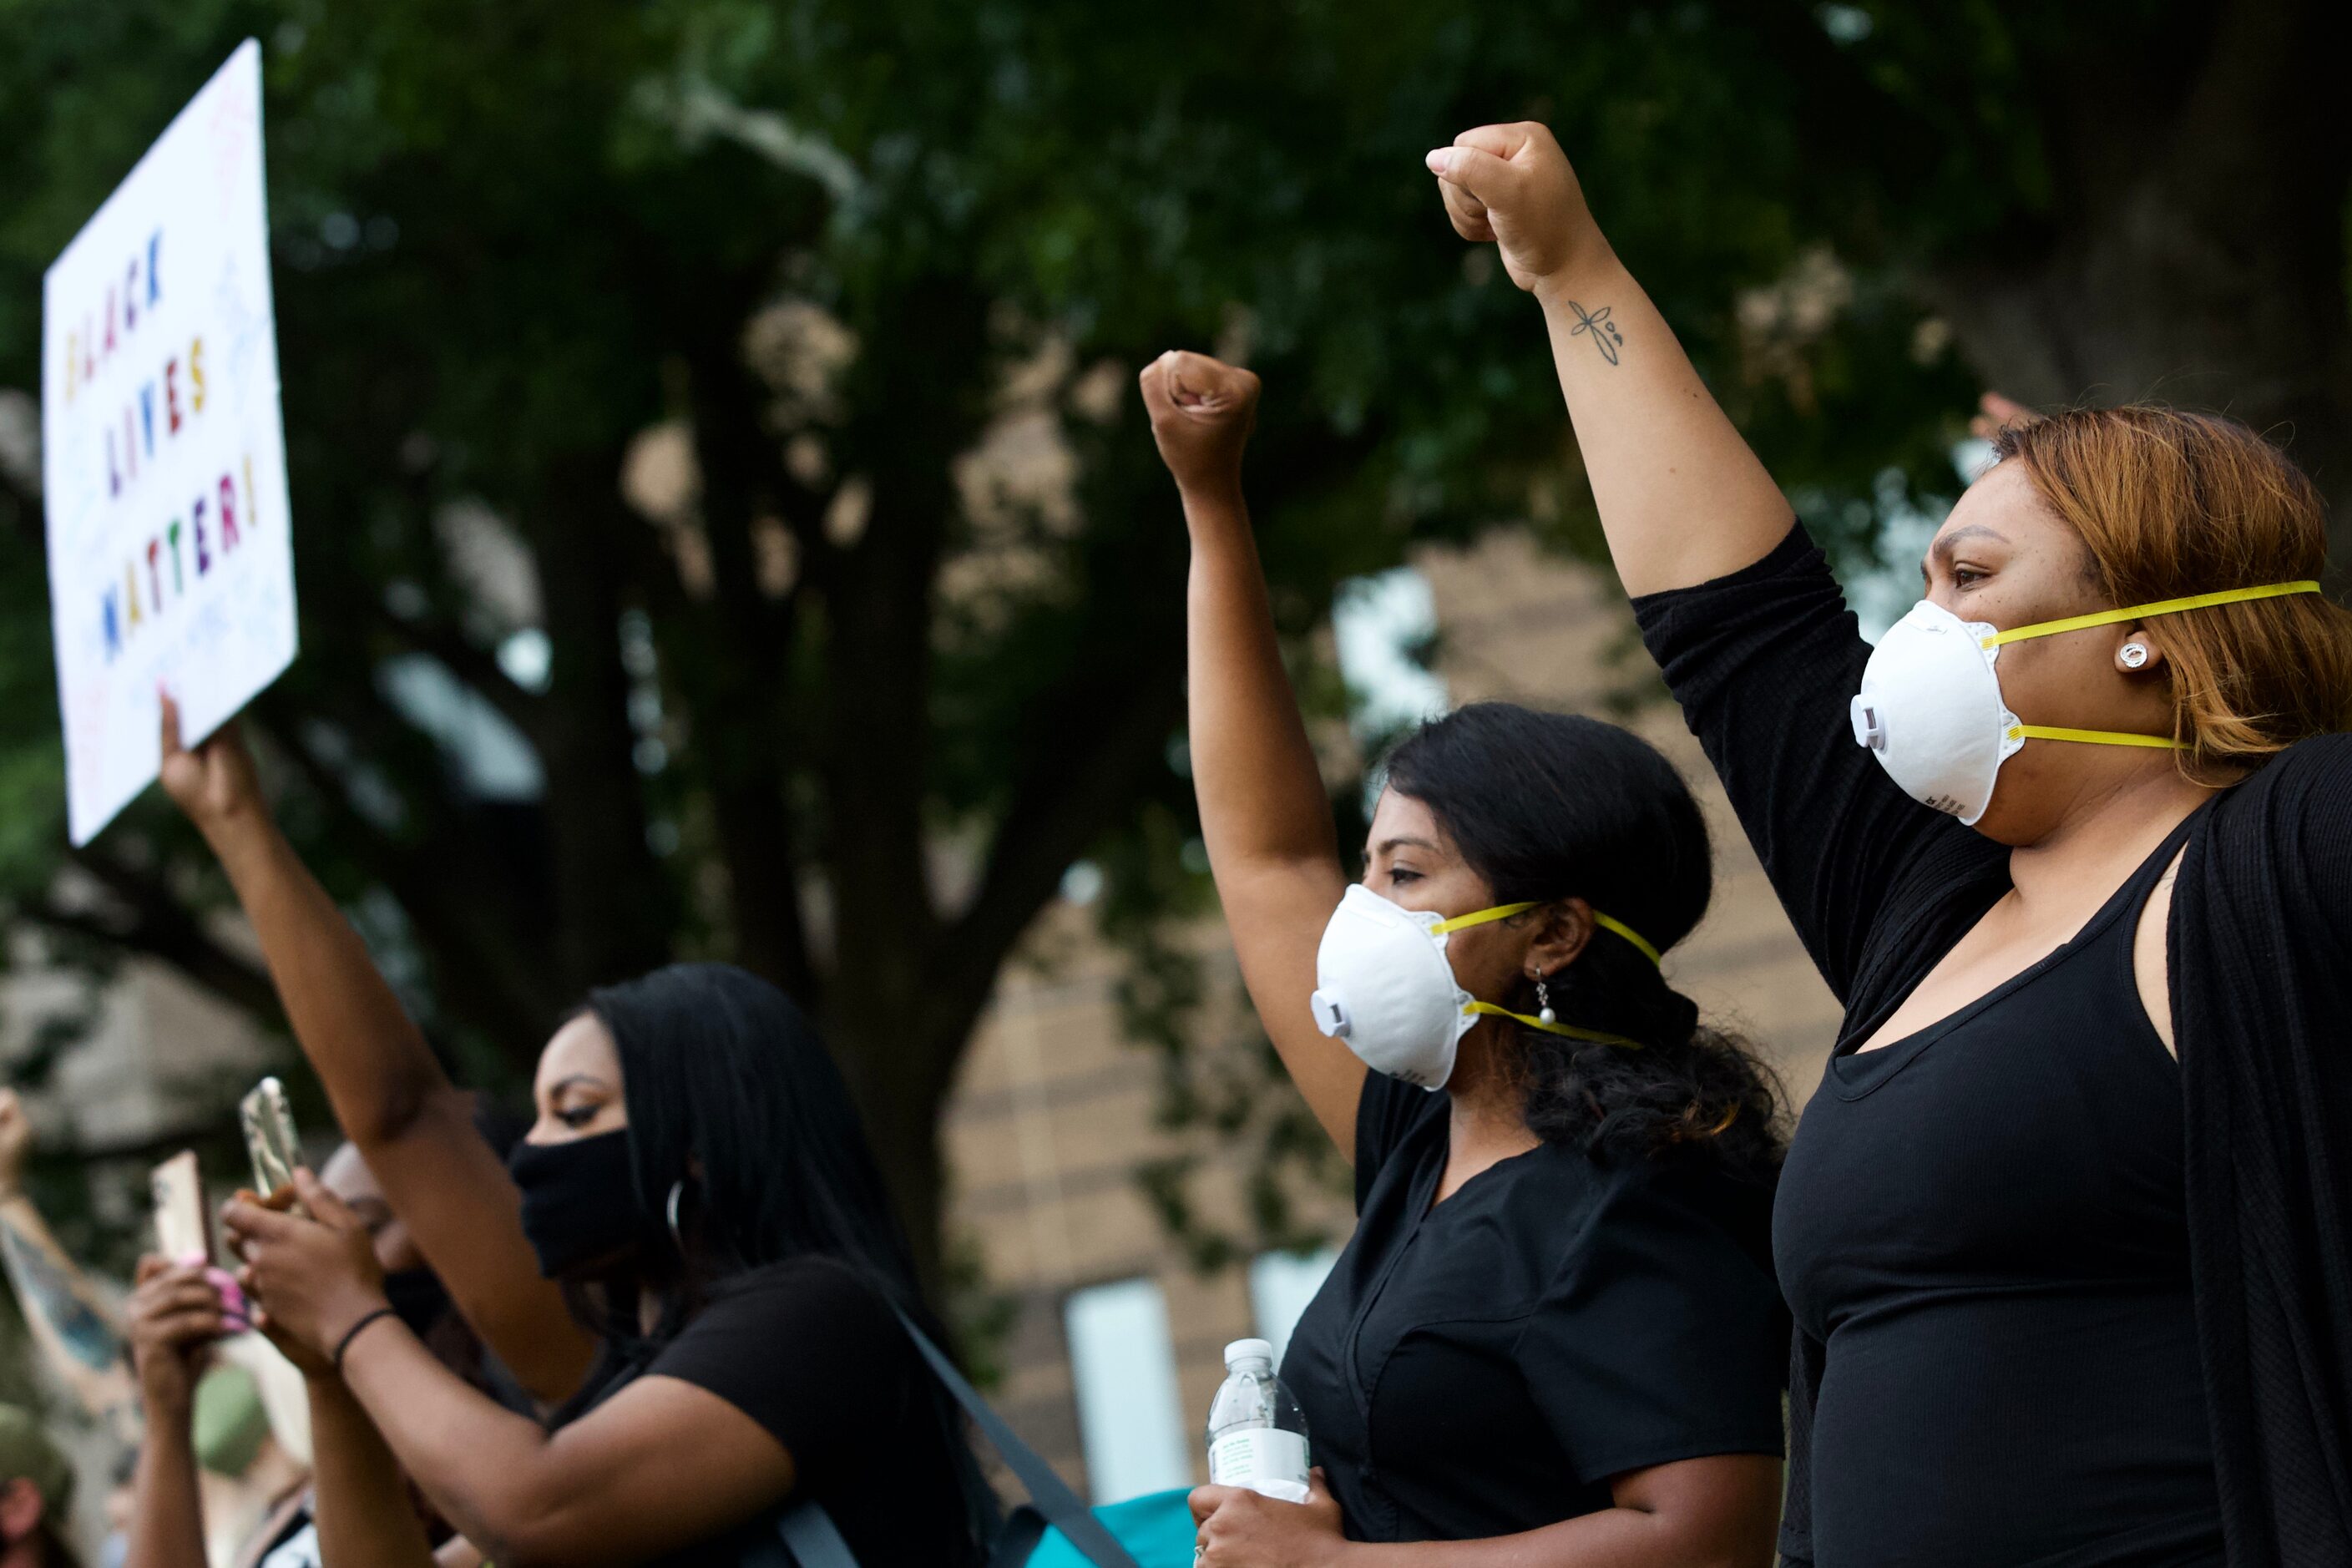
1931,710
1384,985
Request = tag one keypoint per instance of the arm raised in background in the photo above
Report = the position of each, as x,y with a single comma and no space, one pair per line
390,1097
69,1317
1682,499
1264,814
174,1316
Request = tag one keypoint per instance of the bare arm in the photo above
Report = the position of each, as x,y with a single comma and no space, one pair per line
67,1316
1264,814
657,1466
1682,499
390,1097
1719,1512
364,1516
175,1315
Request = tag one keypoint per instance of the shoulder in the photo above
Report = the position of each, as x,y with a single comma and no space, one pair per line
806,1347
2294,814
809,1292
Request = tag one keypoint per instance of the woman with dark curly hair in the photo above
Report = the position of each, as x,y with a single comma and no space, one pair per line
1554,1337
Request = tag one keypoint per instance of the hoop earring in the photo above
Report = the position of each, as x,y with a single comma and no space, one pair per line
676,1235
2133,654
1544,1014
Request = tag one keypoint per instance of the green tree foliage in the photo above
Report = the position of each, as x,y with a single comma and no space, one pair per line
843,717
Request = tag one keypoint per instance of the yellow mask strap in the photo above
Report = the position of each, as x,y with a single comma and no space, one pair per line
1482,917
1630,935
1504,912
1488,1009
2093,737
2142,612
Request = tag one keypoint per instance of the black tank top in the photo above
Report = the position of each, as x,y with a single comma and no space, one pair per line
1983,1224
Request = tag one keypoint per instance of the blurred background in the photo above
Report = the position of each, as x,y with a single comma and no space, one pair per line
725,526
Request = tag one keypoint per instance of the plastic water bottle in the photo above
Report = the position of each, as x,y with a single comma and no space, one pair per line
1257,1434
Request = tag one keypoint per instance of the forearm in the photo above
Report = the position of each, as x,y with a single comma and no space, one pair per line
71,1323
1260,791
1682,499
483,1469
391,1098
364,1515
167,1517
378,1072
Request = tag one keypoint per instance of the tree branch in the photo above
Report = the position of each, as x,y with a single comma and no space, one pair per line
147,919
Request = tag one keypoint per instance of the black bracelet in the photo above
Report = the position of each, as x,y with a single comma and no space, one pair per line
353,1332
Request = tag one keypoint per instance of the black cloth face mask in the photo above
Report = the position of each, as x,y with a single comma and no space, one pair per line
579,1201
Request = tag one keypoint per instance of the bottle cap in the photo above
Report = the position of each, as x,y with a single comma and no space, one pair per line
1249,1350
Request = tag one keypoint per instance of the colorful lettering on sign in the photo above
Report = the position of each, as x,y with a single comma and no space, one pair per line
121,617
196,376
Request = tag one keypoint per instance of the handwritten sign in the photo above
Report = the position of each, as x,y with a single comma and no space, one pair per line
163,458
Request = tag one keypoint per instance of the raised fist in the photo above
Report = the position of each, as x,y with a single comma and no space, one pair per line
1513,186
1202,411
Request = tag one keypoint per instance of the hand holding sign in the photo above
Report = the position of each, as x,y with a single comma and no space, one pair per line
215,784
163,460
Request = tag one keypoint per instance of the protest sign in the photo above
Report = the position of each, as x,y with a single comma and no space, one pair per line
162,456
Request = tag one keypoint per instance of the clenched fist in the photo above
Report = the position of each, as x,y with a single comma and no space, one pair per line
1202,411
1512,184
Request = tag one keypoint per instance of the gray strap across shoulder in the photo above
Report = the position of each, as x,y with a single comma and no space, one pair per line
809,1535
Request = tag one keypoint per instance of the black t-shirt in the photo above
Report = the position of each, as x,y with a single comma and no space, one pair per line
1982,1226
1485,1365
814,1353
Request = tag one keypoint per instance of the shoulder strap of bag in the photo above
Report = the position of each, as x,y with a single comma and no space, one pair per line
812,1539
809,1534
1053,1499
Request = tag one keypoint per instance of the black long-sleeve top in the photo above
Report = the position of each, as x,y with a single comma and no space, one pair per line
1879,887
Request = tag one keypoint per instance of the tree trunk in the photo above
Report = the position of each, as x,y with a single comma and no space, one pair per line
2197,256
612,908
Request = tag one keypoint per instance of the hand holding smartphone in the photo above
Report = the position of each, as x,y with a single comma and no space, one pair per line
184,1233
268,1125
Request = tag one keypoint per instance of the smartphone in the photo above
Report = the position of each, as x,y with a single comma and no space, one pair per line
269,1136
180,1233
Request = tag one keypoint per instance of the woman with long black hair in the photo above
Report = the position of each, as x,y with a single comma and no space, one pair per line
720,1332
1553,1337
2067,1227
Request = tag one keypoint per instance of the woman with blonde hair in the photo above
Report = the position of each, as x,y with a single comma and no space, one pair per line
2067,1227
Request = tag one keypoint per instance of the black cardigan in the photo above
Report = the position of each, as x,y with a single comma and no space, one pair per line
1879,887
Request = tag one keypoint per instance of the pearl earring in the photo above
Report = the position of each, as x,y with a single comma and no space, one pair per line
1544,1014
2133,654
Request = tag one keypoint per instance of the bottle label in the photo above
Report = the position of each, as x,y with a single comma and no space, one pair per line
1263,1458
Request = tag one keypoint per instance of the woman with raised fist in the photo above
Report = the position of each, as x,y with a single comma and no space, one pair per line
1553,1337
2067,1227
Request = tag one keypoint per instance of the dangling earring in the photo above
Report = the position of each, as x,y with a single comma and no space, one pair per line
1544,1014
676,1191
2133,654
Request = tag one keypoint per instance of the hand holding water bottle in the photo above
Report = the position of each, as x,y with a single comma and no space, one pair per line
1263,1504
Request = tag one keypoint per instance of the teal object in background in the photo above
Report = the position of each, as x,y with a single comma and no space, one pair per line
1155,1527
